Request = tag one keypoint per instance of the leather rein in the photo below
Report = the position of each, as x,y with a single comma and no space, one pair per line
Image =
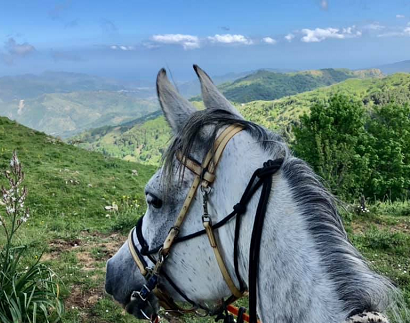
204,177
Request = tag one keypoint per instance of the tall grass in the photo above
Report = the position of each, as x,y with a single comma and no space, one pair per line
29,292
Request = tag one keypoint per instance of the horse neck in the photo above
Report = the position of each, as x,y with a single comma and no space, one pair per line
292,285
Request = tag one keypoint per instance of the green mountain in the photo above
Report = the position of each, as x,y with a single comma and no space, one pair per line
193,88
144,139
269,85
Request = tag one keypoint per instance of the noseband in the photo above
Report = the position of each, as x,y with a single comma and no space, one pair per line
204,177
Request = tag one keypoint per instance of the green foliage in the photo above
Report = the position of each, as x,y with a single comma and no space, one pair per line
396,208
332,140
389,150
356,153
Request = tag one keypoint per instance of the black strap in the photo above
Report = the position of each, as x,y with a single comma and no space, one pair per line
163,273
264,178
241,312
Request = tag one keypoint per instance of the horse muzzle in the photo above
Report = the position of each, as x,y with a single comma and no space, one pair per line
122,279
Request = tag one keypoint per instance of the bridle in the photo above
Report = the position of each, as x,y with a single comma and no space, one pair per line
204,177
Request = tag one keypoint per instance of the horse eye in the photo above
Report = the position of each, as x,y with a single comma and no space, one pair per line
154,201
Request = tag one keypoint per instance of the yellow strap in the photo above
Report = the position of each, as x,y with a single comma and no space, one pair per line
195,168
173,233
212,158
137,260
219,146
228,280
210,162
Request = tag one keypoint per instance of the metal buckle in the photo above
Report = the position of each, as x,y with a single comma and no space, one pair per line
206,218
135,294
206,190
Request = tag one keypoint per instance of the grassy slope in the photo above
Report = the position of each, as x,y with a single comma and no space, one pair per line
267,85
51,165
68,191
69,222
145,141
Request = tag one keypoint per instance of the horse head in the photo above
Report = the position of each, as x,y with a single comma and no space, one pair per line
193,246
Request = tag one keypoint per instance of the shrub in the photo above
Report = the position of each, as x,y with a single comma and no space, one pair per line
332,139
29,294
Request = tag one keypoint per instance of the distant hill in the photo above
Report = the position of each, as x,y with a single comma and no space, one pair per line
145,140
142,140
65,114
193,88
269,85
398,67
63,104
23,87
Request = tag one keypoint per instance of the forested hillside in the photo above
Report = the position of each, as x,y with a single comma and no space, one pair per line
145,141
278,114
269,85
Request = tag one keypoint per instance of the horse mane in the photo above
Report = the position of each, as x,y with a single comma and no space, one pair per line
357,286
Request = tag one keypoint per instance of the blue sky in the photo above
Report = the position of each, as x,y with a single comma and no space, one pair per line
133,39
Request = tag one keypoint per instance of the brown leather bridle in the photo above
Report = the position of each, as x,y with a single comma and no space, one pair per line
204,177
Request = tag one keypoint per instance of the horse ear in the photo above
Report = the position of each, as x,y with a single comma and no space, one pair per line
213,99
175,107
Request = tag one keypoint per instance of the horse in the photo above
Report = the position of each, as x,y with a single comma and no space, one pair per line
307,270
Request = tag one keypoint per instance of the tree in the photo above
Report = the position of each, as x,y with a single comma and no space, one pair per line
389,149
333,140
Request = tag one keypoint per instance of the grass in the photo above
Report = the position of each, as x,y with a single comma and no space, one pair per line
69,189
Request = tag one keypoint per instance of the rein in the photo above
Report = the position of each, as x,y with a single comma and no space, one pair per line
205,176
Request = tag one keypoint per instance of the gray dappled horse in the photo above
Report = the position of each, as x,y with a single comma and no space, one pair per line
308,271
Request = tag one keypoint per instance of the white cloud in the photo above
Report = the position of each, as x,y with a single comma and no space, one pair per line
400,16
320,34
16,49
391,34
230,39
269,40
186,41
374,26
397,33
122,47
324,4
289,37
